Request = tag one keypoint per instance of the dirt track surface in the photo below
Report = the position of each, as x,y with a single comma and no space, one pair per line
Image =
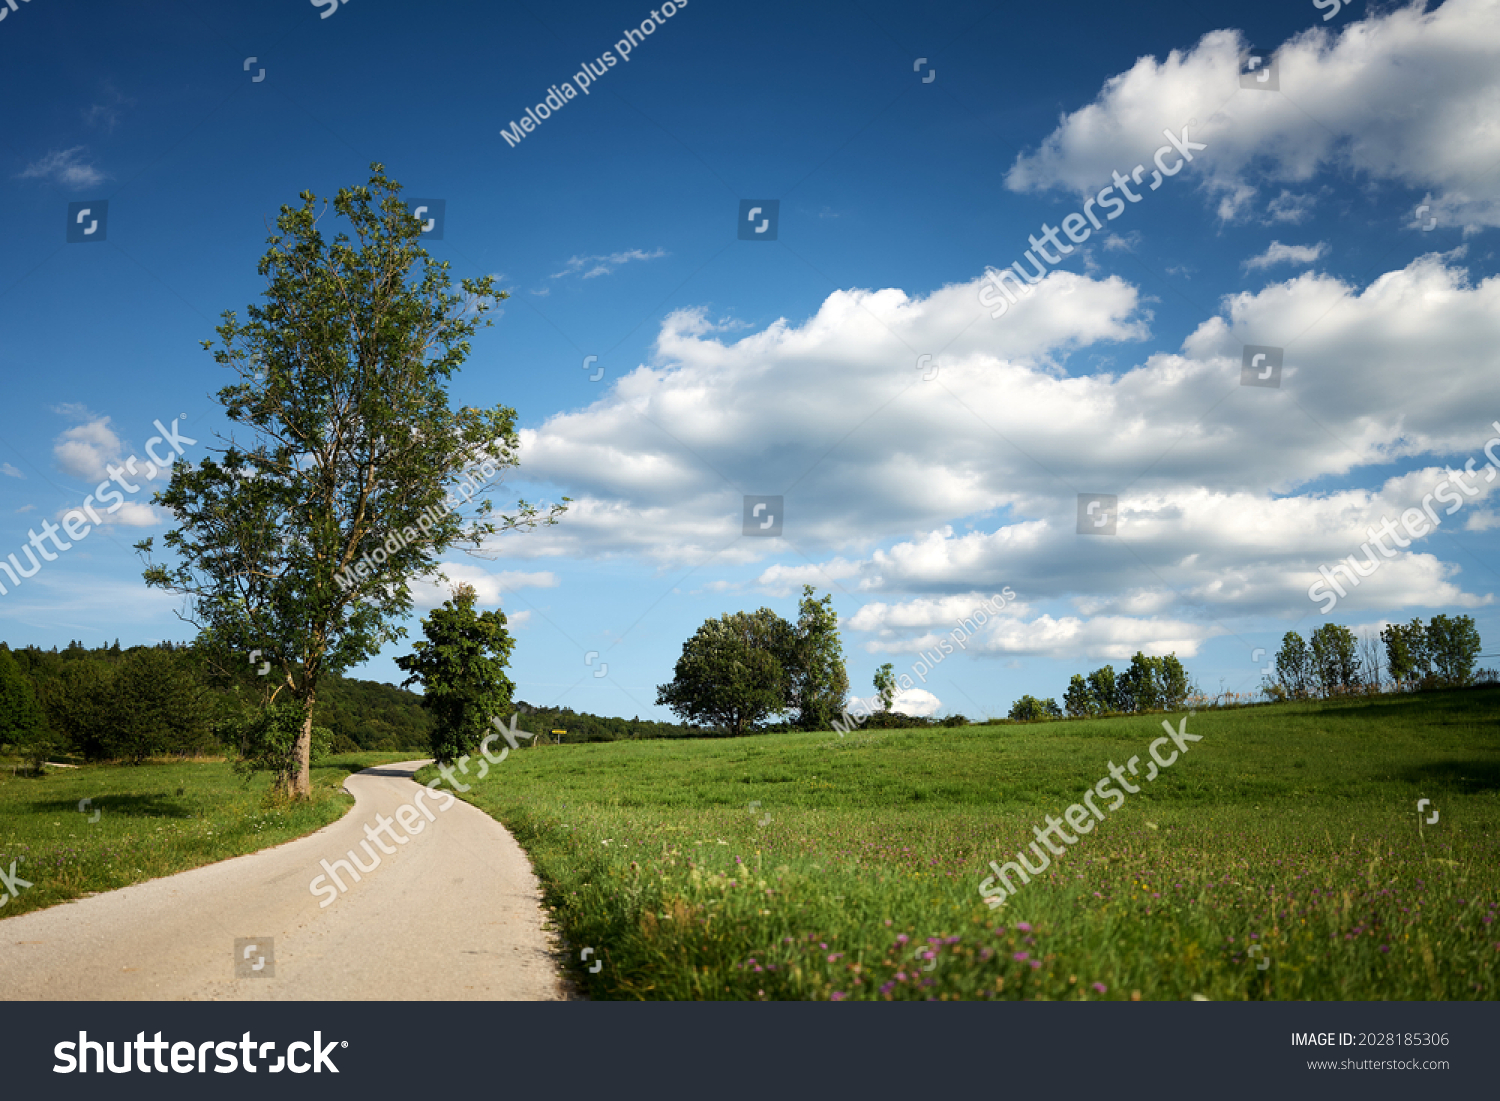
454,913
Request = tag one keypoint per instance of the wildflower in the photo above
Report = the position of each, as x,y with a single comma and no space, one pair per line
1019,956
1023,926
1101,988
838,996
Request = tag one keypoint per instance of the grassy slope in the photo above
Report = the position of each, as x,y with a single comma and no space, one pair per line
154,820
1292,827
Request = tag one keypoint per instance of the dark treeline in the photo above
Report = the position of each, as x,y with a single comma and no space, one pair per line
140,702
580,726
114,703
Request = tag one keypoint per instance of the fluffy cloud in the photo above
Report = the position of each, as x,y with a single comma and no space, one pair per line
1214,523
833,414
86,450
1402,96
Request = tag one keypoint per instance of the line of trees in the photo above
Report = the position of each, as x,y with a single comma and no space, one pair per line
1147,684
142,702
1332,662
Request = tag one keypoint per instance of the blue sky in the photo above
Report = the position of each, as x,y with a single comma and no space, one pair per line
790,367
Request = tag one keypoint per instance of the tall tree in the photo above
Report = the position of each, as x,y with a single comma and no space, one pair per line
461,667
815,666
1078,700
1103,688
730,672
302,542
1294,666
1406,656
1172,683
1141,686
1454,644
1335,659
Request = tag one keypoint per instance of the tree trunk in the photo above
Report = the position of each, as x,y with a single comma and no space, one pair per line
302,781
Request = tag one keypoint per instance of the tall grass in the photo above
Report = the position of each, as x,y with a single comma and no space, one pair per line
1283,857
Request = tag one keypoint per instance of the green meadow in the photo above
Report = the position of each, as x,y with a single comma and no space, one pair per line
1281,857
150,820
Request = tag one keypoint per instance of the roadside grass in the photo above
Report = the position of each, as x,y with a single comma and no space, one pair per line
154,820
1281,857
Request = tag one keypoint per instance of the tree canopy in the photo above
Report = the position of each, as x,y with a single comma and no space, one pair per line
301,542
461,667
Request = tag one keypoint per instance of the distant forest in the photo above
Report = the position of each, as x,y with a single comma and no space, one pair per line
114,703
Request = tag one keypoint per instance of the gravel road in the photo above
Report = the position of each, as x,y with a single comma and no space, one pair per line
452,912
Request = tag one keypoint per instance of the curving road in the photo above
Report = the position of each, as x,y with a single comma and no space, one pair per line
452,912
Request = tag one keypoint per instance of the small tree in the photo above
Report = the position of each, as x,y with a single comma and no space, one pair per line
302,543
815,664
1293,666
1030,709
730,672
23,724
461,668
1454,645
885,685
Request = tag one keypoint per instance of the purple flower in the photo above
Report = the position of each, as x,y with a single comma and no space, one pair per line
838,996
902,939
1035,964
1019,956
1101,988
887,988
1023,926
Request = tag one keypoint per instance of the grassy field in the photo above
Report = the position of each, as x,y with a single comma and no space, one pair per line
153,820
1282,857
